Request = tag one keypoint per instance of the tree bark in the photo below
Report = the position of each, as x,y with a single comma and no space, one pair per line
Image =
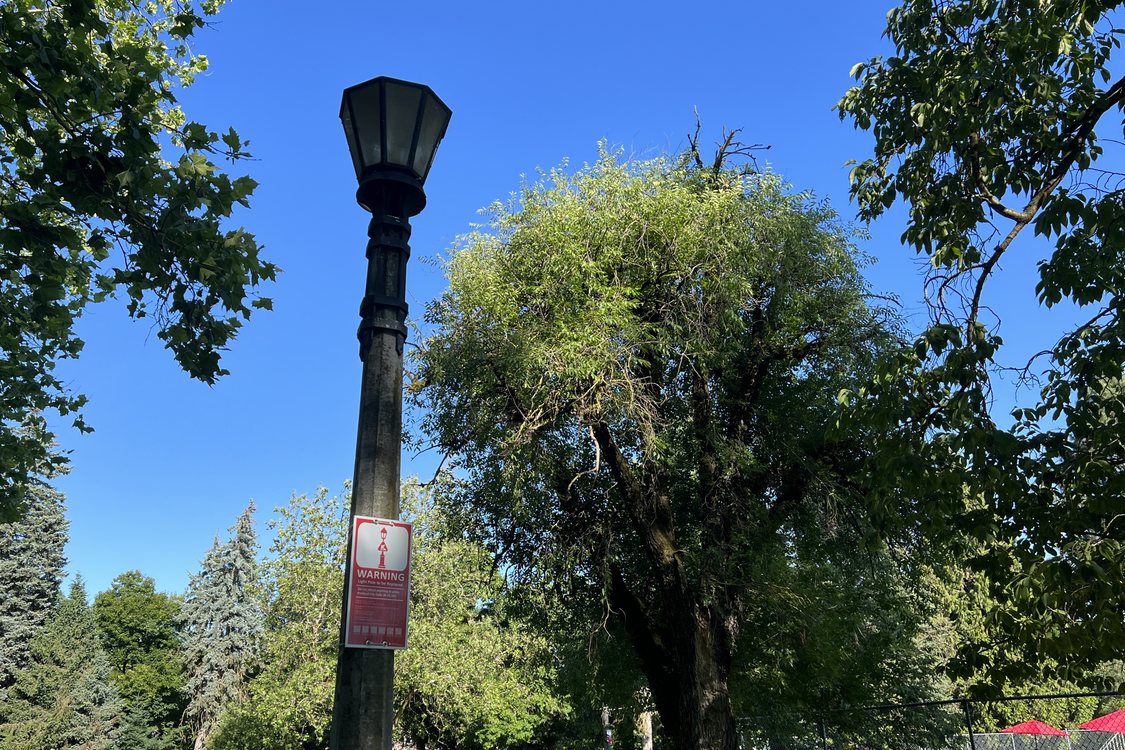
706,717
689,655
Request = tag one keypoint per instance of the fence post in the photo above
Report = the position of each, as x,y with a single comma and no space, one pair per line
969,723
823,732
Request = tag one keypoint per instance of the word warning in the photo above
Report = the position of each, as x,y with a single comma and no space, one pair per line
379,584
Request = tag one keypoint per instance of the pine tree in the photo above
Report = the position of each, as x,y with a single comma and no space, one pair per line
31,570
223,623
64,698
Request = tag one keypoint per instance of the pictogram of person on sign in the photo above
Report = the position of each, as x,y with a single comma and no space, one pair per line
382,547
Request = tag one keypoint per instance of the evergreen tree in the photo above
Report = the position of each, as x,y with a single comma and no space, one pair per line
31,564
140,730
223,624
64,698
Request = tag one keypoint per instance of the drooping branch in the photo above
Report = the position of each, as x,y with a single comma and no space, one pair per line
987,268
645,634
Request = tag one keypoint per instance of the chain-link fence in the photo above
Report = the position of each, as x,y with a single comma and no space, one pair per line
944,725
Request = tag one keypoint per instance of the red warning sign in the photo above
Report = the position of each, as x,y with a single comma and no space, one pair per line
379,584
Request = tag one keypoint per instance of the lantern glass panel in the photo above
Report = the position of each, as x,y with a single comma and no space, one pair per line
402,115
434,120
365,117
349,131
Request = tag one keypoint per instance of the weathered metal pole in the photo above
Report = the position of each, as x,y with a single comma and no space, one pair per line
363,713
393,129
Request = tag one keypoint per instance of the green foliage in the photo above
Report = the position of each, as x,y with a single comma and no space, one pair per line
594,662
841,630
244,728
632,372
107,188
1059,712
64,698
956,603
290,701
137,628
470,679
984,123
222,629
473,677
31,569
140,730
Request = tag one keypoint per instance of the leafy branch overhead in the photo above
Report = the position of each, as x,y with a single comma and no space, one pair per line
985,123
106,188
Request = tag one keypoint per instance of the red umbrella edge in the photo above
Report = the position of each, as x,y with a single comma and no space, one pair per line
1114,722
1036,727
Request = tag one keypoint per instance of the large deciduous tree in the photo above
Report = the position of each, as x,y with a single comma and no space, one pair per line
137,629
985,121
632,371
106,187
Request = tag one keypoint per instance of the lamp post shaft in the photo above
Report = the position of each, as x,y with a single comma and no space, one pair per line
393,130
363,713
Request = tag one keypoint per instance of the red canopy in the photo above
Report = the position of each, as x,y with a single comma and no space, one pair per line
1035,727
1114,722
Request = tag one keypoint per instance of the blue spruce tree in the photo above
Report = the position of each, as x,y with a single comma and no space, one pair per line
223,623
31,570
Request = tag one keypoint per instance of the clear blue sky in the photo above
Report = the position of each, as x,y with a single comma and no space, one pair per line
173,461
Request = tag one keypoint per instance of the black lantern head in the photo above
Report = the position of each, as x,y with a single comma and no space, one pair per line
393,127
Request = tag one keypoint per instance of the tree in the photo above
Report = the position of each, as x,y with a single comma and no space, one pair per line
31,571
984,122
290,703
96,158
633,370
137,630
223,625
474,677
956,603
470,679
64,698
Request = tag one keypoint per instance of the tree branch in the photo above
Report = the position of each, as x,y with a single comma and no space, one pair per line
645,635
1081,130
652,520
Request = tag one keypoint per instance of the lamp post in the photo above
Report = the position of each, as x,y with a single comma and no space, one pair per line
393,129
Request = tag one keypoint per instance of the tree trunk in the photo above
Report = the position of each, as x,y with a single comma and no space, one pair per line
684,652
706,720
690,687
